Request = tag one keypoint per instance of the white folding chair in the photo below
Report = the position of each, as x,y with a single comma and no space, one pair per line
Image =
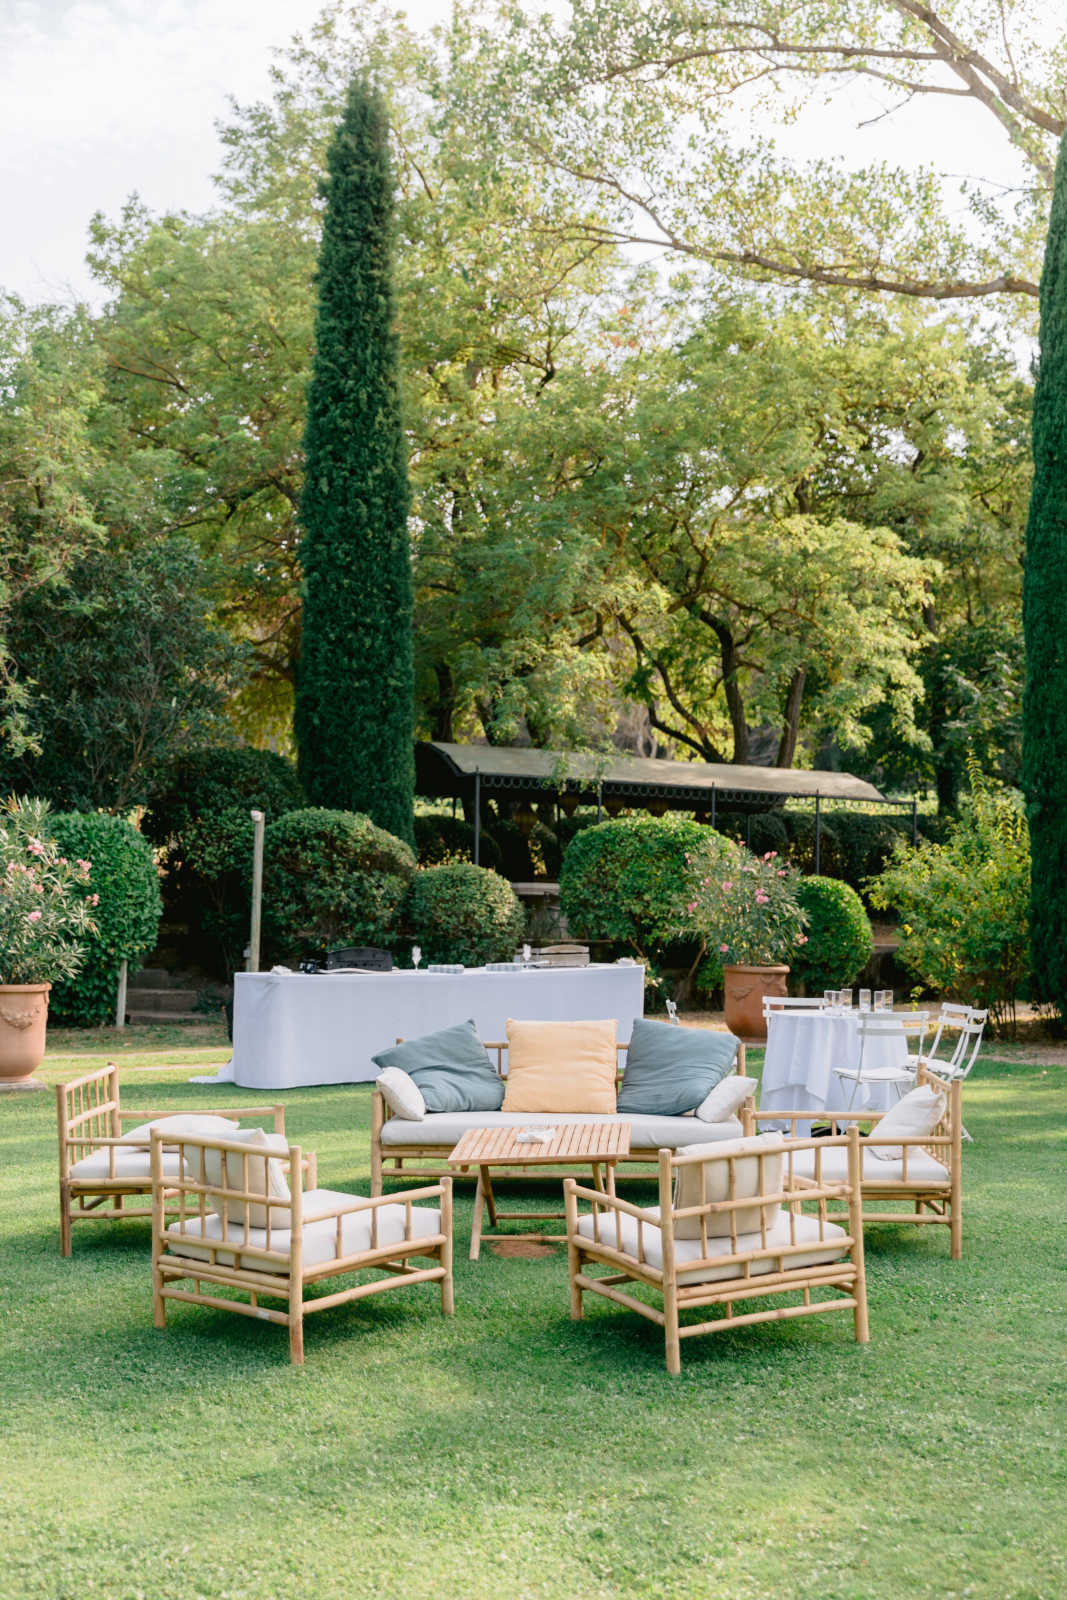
970,1027
878,1027
788,1002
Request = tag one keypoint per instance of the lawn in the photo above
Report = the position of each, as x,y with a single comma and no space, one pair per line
511,1451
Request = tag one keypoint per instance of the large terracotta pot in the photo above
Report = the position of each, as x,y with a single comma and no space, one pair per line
23,1019
744,989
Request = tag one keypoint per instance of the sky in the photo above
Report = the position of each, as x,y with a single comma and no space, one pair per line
100,98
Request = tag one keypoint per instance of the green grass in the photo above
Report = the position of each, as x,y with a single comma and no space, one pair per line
511,1452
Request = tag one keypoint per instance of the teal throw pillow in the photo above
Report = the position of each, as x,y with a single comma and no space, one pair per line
670,1070
451,1068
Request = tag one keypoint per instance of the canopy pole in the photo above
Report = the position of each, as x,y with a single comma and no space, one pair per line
599,798
477,816
818,832
713,791
914,821
258,820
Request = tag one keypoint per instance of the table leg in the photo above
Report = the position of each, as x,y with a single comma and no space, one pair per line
490,1197
476,1219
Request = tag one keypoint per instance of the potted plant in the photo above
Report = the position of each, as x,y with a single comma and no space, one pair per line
45,904
747,912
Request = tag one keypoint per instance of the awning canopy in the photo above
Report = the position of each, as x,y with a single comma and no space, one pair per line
456,770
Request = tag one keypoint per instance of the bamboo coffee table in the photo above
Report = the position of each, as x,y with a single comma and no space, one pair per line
596,1145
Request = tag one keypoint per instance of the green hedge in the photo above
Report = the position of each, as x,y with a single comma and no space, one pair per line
127,916
839,939
461,912
331,878
626,880
205,782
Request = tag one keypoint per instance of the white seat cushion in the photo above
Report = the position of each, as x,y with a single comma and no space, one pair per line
829,1248
922,1168
646,1132
132,1166
183,1126
320,1238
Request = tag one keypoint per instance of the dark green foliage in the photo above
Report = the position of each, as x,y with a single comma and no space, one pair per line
127,917
1045,622
525,856
839,940
201,783
626,880
127,667
354,705
331,878
464,913
439,839
200,817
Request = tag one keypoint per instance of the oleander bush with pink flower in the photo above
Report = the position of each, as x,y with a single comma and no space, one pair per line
46,899
745,909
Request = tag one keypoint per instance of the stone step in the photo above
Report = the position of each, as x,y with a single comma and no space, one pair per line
162,1002
135,1016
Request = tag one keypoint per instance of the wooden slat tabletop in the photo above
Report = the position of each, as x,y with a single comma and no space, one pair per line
576,1142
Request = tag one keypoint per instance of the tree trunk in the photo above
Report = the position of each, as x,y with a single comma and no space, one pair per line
791,727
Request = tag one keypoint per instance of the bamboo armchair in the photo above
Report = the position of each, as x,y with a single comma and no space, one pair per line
927,1177
421,1159
710,1262
243,1222
89,1119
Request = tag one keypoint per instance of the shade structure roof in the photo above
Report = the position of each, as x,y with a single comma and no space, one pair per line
454,769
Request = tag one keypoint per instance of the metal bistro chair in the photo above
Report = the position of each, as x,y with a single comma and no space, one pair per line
969,1026
876,1027
788,1002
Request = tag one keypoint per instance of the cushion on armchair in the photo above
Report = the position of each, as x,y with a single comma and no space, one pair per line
726,1099
265,1176
916,1115
759,1172
561,1066
450,1068
671,1070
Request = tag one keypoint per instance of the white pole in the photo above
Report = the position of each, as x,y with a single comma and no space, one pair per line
257,890
120,998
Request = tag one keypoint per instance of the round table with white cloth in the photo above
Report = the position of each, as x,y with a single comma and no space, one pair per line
804,1047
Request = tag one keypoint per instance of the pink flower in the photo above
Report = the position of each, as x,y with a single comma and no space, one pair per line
84,865
770,855
781,872
38,888
802,938
761,898
62,861
34,916
34,846
692,905
727,887
94,899
723,949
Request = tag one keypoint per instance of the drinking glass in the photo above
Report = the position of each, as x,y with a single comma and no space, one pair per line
416,956
829,998
887,995
844,999
526,954
865,999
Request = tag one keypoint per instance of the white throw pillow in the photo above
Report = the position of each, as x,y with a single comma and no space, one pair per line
914,1116
726,1099
402,1094
182,1127
265,1177
759,1172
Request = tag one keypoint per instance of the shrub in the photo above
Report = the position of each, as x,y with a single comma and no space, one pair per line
460,912
124,875
745,909
840,942
332,878
964,904
440,839
800,849
46,901
216,869
627,880
205,782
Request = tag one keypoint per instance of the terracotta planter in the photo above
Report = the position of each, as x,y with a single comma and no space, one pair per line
744,989
23,1019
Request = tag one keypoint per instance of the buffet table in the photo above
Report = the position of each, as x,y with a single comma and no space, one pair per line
804,1047
292,1029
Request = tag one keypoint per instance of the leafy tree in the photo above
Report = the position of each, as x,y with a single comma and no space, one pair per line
127,666
649,105
1045,619
354,692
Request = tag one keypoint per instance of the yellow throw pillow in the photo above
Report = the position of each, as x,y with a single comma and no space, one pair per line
560,1066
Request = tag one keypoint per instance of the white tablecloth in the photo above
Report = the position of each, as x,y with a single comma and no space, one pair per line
291,1029
804,1047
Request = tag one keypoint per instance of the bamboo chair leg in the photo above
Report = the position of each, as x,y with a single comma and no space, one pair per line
296,1331
574,1266
448,1294
855,1228
66,1243
670,1325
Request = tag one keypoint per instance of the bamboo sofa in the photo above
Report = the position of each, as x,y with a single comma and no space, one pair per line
730,1230
100,1167
234,1216
925,1180
402,1150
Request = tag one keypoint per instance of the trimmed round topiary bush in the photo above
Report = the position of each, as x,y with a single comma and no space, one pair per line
124,875
839,943
628,880
460,912
331,878
439,839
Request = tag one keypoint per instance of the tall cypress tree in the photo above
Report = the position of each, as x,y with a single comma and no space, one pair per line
354,701
1045,622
